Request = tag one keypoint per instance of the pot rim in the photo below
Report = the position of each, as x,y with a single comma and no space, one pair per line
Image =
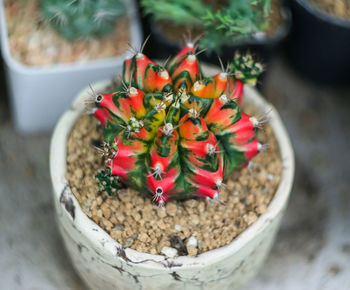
323,15
109,248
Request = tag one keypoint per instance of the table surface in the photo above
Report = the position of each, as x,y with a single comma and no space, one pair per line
312,250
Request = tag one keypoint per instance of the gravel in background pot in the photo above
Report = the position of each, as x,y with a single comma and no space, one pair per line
104,264
319,45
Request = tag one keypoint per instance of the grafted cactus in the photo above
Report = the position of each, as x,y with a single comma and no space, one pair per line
173,133
75,19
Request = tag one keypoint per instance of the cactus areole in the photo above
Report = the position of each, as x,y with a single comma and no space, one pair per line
172,133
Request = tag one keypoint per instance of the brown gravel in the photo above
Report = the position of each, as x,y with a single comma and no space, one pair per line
275,17
339,8
134,221
33,42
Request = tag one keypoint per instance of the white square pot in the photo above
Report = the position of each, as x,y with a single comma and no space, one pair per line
39,95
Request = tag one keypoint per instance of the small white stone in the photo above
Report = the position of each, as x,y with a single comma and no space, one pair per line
192,241
178,228
169,252
270,177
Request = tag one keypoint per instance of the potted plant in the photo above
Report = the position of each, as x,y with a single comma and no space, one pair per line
319,42
51,49
224,26
172,134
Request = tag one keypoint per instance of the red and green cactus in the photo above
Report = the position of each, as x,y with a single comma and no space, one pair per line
173,133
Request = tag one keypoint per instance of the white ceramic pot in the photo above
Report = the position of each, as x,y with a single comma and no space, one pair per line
104,264
39,95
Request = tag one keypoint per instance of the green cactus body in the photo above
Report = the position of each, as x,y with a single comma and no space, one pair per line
173,133
75,19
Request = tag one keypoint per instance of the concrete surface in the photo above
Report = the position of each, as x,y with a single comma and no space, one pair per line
312,250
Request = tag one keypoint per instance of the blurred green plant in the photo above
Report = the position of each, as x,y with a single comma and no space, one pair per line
223,22
75,19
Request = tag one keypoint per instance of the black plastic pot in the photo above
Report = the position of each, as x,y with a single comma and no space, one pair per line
264,47
319,45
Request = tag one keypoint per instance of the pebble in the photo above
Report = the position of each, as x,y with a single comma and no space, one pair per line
171,209
119,227
128,242
178,228
161,212
270,177
106,212
192,241
143,237
169,252
107,224
192,250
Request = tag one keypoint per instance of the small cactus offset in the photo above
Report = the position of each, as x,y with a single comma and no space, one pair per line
173,133
75,19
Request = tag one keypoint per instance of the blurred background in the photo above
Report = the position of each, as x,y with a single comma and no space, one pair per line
50,52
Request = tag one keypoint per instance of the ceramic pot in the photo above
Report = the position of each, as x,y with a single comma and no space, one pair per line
319,45
40,94
103,263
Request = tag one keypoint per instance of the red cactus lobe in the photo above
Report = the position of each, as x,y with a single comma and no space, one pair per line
165,187
156,79
186,72
201,149
162,154
242,137
251,149
240,128
118,170
102,115
127,70
221,115
221,85
142,63
158,163
188,49
136,102
237,93
143,134
169,142
245,123
206,192
192,128
127,155
209,178
213,87
243,130
106,101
